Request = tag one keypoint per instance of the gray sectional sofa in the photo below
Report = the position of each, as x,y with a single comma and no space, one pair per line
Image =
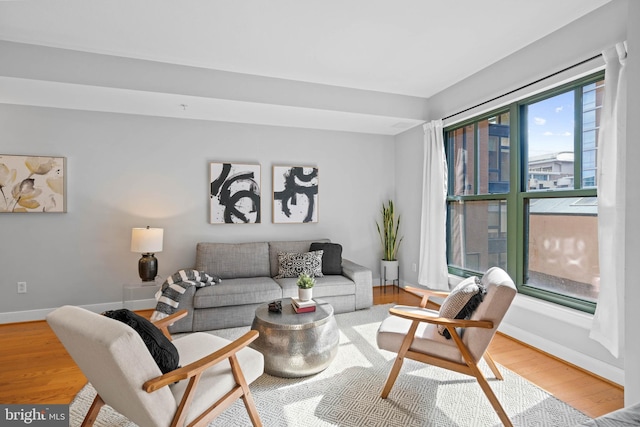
248,272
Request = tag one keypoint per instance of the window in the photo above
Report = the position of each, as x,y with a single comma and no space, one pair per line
522,193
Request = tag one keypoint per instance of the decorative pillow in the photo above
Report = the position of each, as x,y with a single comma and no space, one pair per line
292,264
163,351
462,302
331,257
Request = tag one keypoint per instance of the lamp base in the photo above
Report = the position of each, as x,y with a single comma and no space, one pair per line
148,267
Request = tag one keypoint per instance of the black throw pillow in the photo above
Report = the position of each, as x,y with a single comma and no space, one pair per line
331,257
161,348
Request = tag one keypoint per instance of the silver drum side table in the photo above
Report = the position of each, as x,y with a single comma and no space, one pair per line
296,345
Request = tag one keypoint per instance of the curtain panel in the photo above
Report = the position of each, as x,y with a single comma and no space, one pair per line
433,272
608,320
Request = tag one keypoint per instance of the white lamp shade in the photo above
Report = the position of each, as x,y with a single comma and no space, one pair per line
146,240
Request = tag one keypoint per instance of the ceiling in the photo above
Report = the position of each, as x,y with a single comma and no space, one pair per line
407,47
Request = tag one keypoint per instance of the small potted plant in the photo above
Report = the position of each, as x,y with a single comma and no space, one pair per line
390,240
305,285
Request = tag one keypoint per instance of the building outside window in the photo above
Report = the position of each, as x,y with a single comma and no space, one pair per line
522,193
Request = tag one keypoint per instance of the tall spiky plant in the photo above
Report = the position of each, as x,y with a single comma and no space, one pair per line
389,232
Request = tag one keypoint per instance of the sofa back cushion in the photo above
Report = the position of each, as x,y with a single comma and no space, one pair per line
233,260
290,246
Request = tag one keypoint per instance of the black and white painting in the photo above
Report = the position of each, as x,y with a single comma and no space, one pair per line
295,194
234,193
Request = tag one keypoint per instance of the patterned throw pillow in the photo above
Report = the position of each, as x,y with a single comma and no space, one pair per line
292,264
462,302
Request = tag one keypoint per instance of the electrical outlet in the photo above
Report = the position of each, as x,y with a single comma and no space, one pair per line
22,287
414,267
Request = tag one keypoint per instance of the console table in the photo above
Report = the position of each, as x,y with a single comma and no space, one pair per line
135,292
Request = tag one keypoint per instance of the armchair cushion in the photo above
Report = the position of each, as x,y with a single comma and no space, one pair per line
292,264
162,350
461,302
331,256
393,330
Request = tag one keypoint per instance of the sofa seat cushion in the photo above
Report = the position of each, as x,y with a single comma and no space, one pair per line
333,285
248,290
233,260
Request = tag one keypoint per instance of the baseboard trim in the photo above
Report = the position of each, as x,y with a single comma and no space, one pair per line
41,314
582,361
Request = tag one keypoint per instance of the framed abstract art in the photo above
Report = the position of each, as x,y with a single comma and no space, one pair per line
234,193
295,194
32,184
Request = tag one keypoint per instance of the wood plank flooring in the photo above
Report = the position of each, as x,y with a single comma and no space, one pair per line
35,368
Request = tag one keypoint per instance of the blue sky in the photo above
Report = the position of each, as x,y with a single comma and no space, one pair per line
551,124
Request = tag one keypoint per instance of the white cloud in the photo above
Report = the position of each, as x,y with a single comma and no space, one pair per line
558,109
547,133
539,121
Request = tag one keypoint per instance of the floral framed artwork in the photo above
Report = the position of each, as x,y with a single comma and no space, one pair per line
32,184
295,194
234,193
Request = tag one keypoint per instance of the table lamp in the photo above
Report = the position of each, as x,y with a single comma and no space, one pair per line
147,241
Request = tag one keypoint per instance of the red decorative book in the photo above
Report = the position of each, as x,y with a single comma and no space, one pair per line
303,304
303,309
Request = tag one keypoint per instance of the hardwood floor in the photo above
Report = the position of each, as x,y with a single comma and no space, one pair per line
35,368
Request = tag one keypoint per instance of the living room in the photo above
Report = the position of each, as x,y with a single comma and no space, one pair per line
127,168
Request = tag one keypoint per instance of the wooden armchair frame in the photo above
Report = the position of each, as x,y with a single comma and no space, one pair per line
193,372
469,367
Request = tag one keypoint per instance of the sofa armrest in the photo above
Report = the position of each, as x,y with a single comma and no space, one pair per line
362,277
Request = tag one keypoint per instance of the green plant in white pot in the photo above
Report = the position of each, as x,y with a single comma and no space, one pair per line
305,285
388,232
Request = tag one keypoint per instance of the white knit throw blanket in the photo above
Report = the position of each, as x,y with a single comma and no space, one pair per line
169,295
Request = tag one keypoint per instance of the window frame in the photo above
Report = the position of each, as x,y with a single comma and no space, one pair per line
518,196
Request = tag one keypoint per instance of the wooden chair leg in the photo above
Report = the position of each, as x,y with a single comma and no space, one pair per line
247,398
477,373
190,391
488,391
391,379
397,365
492,366
93,412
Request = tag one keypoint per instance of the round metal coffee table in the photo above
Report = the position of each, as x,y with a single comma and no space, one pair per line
296,345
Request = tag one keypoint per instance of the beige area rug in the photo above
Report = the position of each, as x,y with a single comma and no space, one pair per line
347,393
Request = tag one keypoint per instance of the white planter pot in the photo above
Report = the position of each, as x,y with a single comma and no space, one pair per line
305,294
389,270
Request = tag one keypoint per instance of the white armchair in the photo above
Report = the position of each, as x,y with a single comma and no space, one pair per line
411,332
214,372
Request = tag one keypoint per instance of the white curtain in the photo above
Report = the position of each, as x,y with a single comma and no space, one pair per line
433,239
608,321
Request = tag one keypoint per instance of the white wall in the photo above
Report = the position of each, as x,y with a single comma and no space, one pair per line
632,246
409,162
552,328
127,171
